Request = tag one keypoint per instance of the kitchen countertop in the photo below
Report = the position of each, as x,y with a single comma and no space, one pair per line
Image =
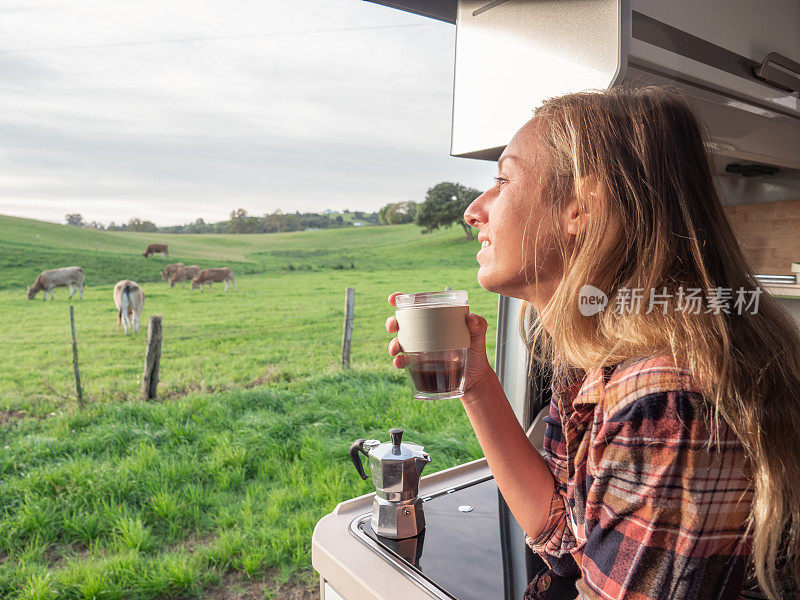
781,290
357,572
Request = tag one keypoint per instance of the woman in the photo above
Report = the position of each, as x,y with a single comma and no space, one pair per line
672,464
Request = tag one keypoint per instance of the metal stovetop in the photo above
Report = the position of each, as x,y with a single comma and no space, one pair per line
458,555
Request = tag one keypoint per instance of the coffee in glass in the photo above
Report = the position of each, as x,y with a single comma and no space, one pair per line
434,337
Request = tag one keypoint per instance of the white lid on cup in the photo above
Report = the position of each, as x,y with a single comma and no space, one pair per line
432,299
432,321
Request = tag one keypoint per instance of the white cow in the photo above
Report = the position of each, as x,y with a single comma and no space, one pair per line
53,278
129,299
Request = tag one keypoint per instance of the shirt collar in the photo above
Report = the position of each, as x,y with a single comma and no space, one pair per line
593,388
579,388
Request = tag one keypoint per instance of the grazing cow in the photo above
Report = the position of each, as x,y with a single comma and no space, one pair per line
209,276
53,278
169,270
182,274
129,300
153,248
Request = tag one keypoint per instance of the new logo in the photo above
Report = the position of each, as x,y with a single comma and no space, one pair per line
591,300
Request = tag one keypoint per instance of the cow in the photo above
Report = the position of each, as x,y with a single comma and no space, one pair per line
53,278
153,248
209,276
182,274
129,300
169,271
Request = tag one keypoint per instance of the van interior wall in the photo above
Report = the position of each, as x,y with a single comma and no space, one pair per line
769,234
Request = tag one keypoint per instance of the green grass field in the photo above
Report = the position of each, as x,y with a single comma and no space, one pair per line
224,477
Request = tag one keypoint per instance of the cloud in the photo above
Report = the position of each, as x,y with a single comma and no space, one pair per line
24,71
205,176
278,106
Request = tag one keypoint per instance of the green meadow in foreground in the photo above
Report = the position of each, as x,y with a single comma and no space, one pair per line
223,478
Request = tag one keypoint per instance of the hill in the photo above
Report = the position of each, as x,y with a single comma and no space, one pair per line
220,481
28,246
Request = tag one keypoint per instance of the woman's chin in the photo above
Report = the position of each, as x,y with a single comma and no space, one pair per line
492,283
485,280
497,285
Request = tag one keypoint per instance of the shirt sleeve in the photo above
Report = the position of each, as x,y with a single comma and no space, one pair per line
552,538
556,539
665,511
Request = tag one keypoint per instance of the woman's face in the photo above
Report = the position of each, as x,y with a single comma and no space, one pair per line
518,255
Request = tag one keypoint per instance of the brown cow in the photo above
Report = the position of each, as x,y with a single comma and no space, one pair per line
209,276
169,270
182,274
153,248
53,278
129,300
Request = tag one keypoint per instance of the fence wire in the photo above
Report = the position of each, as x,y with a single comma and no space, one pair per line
181,335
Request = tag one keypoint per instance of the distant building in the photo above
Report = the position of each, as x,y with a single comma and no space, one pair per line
358,224
328,211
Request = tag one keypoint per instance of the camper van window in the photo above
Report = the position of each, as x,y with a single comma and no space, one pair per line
668,462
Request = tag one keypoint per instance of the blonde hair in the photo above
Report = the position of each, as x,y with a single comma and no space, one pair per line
657,223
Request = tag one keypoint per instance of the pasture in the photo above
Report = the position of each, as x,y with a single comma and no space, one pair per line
219,483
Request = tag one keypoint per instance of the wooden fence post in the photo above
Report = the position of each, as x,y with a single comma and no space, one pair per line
152,359
347,336
78,389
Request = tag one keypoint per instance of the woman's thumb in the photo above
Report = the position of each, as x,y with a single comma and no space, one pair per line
477,332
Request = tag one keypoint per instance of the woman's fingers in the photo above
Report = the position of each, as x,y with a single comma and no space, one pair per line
391,325
401,361
393,296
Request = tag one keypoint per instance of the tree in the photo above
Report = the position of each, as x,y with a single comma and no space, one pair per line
373,217
398,213
75,219
444,205
238,222
137,224
273,222
199,226
241,222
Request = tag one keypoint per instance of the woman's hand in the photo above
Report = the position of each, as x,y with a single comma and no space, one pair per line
479,371
519,470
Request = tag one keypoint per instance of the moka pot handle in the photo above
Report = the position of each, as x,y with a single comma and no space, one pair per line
355,448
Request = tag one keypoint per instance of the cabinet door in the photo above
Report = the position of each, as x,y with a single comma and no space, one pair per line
512,55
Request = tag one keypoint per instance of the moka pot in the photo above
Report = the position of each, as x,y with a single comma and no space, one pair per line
396,468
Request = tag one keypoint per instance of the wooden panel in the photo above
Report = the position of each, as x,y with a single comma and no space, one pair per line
769,234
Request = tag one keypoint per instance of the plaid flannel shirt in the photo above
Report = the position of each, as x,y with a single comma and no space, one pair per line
645,507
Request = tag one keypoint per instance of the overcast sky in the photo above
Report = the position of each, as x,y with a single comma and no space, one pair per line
171,110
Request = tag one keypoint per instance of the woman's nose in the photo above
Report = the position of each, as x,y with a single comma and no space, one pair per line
475,215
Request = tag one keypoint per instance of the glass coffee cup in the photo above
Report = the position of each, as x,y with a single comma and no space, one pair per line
434,337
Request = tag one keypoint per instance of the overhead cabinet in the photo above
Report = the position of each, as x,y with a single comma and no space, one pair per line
737,61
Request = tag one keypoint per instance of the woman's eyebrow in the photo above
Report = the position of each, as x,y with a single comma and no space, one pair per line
506,157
